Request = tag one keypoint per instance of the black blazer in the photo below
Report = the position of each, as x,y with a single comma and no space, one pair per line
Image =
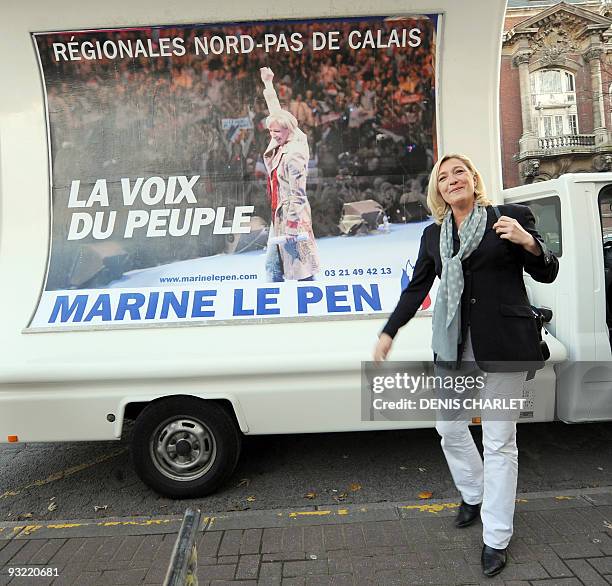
494,304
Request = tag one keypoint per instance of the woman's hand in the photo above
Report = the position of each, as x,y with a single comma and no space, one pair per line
267,75
385,341
509,229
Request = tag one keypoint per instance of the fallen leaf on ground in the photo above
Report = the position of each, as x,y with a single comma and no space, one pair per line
354,487
52,507
422,469
250,499
100,508
243,482
425,494
310,495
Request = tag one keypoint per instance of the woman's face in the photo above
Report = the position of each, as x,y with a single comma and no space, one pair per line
455,182
279,133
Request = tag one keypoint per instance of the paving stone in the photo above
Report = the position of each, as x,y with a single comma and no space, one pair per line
313,538
103,560
281,556
293,539
320,580
271,540
341,580
339,562
569,551
550,561
528,571
248,567
353,536
272,581
585,573
208,544
232,582
9,551
557,582
117,577
87,579
156,573
210,573
602,565
271,570
230,542
24,554
251,541
305,568
333,536
148,551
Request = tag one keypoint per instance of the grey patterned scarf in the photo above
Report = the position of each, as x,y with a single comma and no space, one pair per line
446,314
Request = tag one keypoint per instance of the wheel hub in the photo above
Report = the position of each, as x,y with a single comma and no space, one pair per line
183,449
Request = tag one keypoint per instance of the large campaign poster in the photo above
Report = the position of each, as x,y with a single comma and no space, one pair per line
240,171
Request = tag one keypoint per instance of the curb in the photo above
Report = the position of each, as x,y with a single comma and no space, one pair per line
316,515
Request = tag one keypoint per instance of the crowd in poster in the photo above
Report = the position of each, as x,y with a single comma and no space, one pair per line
239,171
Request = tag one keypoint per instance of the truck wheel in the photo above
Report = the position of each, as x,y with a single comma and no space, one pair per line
185,447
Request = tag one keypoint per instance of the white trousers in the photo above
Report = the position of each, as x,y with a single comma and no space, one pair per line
494,483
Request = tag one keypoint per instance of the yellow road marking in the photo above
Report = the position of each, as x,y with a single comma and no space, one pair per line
564,498
134,523
64,473
437,508
306,513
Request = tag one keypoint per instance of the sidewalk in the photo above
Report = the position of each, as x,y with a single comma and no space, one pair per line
562,538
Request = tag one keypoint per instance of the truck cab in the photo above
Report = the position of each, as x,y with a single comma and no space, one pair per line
573,214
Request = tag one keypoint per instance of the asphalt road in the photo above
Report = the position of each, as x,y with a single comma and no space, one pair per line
40,482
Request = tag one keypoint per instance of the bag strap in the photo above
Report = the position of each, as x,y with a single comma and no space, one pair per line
497,212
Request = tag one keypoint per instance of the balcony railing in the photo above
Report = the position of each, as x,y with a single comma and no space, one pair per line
567,140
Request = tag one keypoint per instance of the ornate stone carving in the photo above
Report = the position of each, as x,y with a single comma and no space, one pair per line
558,35
593,53
521,58
605,8
530,168
602,162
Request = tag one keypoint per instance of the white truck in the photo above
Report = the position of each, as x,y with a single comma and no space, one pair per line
194,389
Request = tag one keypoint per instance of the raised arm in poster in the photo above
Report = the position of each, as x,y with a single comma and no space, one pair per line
203,173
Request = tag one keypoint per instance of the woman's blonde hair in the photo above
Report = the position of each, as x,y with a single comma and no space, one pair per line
437,205
284,118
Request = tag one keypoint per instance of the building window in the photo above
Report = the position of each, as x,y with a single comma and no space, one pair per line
553,102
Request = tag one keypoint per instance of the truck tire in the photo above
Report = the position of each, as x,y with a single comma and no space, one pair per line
185,447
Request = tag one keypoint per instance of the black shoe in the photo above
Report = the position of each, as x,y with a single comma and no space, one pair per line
493,560
467,514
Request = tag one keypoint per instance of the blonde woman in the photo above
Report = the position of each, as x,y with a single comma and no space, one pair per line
482,314
286,160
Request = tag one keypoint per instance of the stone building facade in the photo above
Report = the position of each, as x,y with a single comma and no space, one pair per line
556,89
